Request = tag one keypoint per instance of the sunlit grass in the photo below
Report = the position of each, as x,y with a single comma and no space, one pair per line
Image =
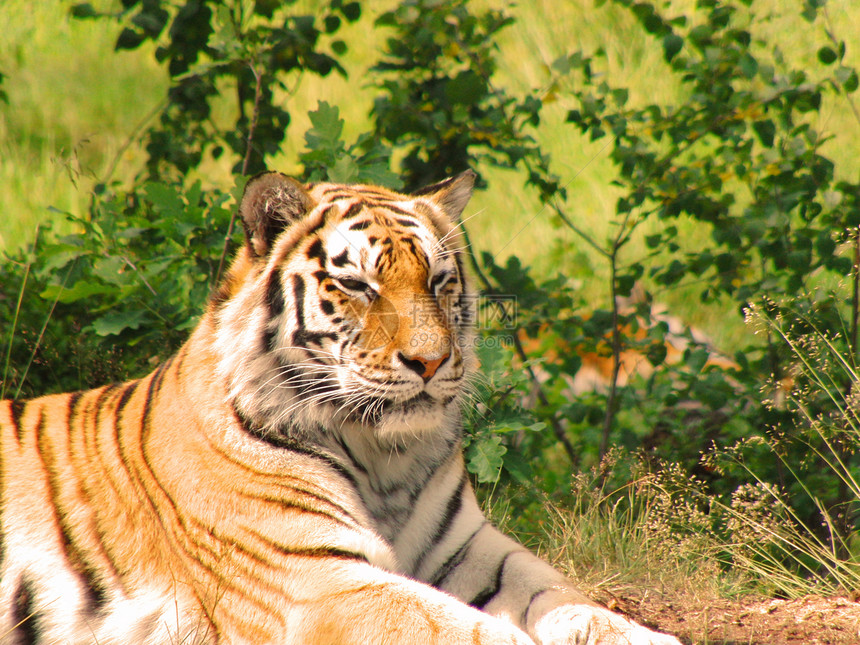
73,104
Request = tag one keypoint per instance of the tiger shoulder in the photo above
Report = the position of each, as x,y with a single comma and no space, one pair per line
293,474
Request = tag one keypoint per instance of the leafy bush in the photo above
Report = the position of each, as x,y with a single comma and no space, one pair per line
135,276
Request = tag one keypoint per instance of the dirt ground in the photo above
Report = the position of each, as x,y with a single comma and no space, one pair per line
812,620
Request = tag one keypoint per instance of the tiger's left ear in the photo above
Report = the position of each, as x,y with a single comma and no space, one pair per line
271,202
451,194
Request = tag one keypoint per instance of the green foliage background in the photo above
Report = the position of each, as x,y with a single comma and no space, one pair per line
691,151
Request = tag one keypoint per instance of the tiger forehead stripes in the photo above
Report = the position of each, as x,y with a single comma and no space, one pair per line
293,474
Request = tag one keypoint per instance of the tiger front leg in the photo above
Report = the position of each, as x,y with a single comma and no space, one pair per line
367,605
495,574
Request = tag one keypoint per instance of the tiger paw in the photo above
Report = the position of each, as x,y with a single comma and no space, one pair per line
587,625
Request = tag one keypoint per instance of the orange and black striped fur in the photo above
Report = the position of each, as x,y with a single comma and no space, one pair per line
293,474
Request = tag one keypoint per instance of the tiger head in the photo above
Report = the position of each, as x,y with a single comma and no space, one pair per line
347,306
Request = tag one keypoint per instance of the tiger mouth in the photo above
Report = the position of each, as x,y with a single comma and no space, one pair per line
375,408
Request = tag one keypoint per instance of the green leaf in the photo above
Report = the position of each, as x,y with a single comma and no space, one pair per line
378,173
351,11
129,39
327,127
83,10
344,170
748,66
765,130
338,47
466,88
574,116
696,358
116,322
672,44
484,458
165,198
331,24
847,76
827,55
79,291
57,256
111,270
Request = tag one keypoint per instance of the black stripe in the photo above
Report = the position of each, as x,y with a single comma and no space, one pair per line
24,614
149,404
95,591
310,552
275,295
92,452
299,295
339,194
321,217
352,211
331,189
342,259
72,408
456,558
438,278
406,222
524,616
119,426
298,506
302,338
281,441
180,362
269,341
484,597
360,226
128,390
350,456
455,502
316,251
18,408
391,207
345,191
280,481
417,252
327,307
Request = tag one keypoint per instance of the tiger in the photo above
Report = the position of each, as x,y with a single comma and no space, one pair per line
293,474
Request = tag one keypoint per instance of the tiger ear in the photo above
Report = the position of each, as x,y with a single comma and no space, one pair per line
271,202
451,194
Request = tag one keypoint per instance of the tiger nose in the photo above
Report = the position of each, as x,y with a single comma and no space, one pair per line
423,367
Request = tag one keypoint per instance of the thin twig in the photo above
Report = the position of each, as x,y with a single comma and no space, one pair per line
828,30
609,416
558,431
473,260
130,139
14,325
576,229
258,92
42,332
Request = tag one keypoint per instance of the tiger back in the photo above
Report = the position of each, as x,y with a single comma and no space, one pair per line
293,474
